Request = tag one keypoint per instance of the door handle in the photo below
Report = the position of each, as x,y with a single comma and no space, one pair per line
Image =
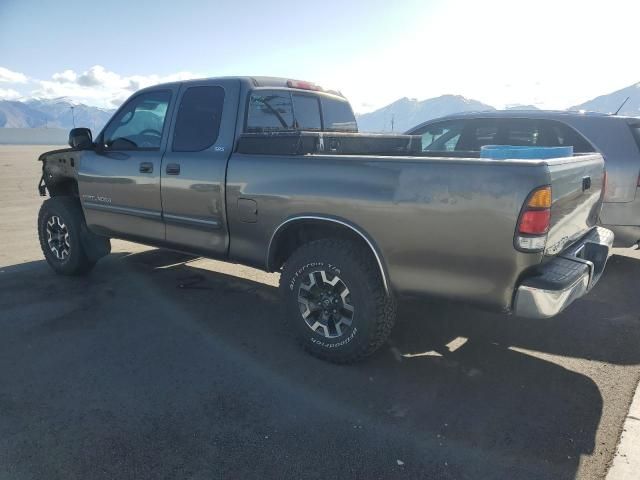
173,169
146,167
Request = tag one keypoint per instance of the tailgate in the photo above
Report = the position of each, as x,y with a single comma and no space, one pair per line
576,186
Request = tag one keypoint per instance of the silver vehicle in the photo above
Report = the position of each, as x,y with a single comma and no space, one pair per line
616,138
271,173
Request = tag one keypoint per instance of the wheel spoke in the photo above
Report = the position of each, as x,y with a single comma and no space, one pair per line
325,304
58,237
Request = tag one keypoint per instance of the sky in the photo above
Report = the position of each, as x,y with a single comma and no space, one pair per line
552,54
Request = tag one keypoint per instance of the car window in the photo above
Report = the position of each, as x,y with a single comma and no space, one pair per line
442,137
269,111
478,133
561,135
635,130
140,123
521,132
306,111
338,116
198,119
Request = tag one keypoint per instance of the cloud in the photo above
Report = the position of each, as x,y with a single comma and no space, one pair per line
100,87
68,76
9,76
8,94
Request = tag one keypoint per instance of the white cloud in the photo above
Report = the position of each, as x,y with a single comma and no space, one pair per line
99,86
9,76
68,76
8,94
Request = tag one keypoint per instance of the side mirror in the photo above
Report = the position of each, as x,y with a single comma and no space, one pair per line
80,139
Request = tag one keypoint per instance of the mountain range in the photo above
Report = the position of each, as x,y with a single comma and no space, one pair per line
611,102
53,113
398,116
406,113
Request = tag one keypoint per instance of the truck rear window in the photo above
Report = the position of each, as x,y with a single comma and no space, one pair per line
338,116
307,112
270,111
283,110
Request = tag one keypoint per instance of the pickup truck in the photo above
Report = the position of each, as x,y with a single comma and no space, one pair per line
272,173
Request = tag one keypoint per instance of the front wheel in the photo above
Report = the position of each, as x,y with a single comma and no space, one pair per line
59,227
335,301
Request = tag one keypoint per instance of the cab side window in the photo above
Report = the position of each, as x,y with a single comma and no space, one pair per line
139,124
442,137
198,119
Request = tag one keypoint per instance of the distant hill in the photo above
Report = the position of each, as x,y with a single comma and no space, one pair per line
611,102
406,113
522,107
55,113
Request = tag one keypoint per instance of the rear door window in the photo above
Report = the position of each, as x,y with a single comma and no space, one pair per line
521,132
269,110
306,110
442,137
478,133
198,119
338,116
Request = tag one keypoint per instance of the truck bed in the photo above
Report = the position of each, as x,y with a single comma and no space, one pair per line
444,226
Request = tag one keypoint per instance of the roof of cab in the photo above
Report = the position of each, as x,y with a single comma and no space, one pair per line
251,81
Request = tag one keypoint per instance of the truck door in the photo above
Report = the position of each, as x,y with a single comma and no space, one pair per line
195,163
119,181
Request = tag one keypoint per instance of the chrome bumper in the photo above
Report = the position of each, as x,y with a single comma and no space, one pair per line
565,278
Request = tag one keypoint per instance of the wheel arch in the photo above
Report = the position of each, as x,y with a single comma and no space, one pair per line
297,230
65,186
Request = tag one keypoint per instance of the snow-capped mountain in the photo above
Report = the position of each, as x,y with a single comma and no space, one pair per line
51,113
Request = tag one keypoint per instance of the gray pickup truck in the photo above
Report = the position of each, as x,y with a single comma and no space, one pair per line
271,173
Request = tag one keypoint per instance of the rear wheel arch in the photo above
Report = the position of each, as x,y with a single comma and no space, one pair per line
297,231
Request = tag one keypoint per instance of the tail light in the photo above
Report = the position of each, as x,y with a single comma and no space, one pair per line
534,221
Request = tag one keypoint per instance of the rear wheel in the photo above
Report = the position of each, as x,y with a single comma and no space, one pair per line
60,222
335,301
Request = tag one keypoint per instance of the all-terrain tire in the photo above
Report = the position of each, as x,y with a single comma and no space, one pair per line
335,302
60,225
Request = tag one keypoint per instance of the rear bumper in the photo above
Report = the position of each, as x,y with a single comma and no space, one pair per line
626,235
565,278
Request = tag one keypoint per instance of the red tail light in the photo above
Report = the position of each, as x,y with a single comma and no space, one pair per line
534,221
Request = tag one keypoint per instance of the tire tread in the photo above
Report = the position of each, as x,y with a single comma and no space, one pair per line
385,305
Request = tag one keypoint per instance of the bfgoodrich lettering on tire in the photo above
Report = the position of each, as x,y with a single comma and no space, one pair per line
335,301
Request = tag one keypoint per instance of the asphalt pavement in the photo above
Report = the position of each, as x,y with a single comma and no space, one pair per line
159,366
